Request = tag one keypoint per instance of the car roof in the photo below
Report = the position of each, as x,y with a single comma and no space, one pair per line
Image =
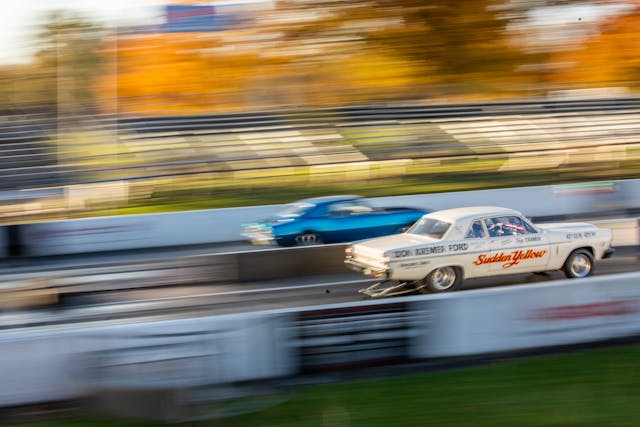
470,212
330,199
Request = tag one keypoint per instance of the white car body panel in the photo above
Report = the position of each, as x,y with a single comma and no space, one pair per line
411,257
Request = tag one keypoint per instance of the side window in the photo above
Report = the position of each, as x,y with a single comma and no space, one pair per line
348,208
476,231
529,227
360,207
505,226
338,209
515,225
493,227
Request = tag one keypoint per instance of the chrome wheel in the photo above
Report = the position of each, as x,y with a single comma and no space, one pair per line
441,279
579,264
308,239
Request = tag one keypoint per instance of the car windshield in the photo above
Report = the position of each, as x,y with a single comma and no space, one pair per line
295,209
430,227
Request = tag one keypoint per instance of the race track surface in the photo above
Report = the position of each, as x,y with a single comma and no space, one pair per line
203,299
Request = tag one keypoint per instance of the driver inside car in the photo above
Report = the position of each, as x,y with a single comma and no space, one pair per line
495,227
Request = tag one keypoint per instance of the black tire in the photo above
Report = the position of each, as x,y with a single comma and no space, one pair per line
308,238
579,264
443,279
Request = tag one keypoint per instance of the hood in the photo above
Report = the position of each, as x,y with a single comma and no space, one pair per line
271,221
567,226
395,241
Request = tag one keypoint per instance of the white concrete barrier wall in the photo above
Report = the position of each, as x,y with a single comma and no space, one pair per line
528,316
36,367
225,225
64,362
68,362
190,352
626,232
534,201
139,231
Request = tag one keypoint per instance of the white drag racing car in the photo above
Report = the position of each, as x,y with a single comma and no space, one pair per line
445,247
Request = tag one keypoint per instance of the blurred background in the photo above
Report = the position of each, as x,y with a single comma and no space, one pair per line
142,106
146,105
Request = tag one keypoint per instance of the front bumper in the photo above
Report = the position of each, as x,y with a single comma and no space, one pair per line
260,238
608,253
368,270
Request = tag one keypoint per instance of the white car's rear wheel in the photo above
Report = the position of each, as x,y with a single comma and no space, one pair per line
443,279
579,264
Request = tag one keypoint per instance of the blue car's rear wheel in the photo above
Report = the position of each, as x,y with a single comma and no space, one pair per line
308,238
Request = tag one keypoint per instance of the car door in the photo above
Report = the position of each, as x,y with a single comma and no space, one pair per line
369,222
477,249
516,246
353,220
346,221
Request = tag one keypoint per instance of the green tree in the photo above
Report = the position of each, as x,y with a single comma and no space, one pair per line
67,62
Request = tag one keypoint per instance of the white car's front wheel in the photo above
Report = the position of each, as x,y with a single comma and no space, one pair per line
579,264
443,279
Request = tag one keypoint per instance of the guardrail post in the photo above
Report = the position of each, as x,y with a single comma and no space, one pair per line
14,241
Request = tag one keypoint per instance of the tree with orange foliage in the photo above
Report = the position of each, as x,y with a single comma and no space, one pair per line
177,73
611,57
448,41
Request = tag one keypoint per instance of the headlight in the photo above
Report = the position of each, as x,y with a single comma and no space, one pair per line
284,220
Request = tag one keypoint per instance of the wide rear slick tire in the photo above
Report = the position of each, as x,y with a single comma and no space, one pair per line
579,264
443,279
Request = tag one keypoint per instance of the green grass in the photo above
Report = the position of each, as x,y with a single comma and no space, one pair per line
222,189
590,388
463,178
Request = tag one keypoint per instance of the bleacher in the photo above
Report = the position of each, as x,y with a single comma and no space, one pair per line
527,135
27,151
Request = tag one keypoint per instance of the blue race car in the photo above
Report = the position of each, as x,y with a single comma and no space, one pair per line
331,219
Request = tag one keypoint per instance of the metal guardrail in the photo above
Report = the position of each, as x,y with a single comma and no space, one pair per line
51,286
